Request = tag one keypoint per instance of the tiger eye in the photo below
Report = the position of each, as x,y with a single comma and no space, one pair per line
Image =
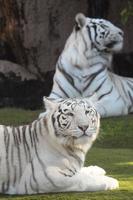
63,117
70,114
87,111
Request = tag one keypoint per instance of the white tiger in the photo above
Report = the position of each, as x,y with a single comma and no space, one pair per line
83,68
48,155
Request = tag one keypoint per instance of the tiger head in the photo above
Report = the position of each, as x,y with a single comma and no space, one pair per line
72,122
104,36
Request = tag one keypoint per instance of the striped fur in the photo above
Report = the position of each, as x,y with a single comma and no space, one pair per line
84,68
48,155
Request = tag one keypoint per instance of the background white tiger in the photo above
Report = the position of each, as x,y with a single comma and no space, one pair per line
83,67
48,155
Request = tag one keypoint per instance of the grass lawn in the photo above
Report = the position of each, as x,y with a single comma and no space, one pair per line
113,151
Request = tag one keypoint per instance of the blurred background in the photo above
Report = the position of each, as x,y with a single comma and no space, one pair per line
33,34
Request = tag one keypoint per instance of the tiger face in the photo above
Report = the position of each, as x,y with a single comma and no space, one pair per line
75,119
104,36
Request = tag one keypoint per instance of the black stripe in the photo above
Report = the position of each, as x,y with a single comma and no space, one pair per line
95,31
18,134
30,134
99,62
35,131
105,93
25,142
33,187
26,189
46,125
92,43
58,96
53,123
129,109
117,99
89,32
19,161
92,77
130,84
73,172
53,120
15,175
62,90
40,128
64,174
34,178
7,141
43,166
77,158
96,73
27,145
123,88
58,120
88,85
98,88
130,96
107,33
14,136
12,154
68,77
13,166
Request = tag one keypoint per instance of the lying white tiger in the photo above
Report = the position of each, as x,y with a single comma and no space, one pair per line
83,68
48,155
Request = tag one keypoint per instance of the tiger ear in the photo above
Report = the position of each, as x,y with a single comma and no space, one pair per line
49,105
80,20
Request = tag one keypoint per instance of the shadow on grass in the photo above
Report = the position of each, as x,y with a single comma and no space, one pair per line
108,195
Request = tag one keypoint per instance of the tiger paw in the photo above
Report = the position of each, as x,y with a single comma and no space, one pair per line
94,170
110,183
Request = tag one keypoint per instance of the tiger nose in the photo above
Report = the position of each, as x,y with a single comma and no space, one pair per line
83,127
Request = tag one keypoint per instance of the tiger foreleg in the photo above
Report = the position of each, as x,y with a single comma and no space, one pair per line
84,180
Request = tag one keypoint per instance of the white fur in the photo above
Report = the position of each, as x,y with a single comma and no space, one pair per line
83,68
47,157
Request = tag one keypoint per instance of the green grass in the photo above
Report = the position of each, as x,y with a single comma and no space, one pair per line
116,132
113,151
13,116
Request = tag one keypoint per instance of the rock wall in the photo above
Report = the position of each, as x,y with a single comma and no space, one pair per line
46,24
38,30
32,35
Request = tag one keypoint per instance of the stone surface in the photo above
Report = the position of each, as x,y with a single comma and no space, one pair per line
13,71
26,94
123,64
45,26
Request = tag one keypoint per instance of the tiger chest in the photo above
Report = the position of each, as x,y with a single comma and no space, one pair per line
79,84
82,85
